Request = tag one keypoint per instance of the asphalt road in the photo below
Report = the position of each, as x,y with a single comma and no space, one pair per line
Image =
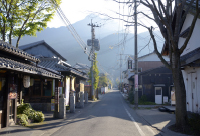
109,117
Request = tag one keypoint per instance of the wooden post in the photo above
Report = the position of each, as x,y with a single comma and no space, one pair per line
8,100
56,111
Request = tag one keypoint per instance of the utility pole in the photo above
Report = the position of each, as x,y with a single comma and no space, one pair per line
120,87
92,54
136,58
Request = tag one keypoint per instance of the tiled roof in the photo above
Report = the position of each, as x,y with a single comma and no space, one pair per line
52,63
194,3
190,57
81,66
56,64
16,51
6,63
31,45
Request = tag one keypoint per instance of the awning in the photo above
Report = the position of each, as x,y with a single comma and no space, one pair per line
159,85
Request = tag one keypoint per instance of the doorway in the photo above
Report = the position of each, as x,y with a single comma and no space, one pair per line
158,95
11,111
191,93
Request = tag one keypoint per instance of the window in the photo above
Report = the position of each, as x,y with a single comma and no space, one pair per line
47,88
37,88
25,91
158,91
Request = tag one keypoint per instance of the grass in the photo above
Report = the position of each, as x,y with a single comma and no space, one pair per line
144,108
33,125
146,103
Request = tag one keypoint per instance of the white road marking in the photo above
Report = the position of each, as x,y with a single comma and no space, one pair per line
137,126
135,123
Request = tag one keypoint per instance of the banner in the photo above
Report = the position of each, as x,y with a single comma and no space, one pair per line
136,82
67,90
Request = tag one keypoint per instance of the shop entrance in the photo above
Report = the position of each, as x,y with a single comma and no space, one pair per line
11,111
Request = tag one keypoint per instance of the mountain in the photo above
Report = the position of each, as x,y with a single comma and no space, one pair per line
108,57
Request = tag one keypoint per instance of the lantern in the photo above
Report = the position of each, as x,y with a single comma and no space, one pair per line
26,81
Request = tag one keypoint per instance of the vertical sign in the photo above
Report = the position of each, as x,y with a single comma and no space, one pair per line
56,95
52,104
67,88
129,64
53,92
136,82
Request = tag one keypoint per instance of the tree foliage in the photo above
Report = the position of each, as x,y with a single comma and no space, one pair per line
169,16
103,80
95,72
24,17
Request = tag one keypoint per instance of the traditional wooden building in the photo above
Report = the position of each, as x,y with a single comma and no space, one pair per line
73,79
156,84
20,75
146,62
190,58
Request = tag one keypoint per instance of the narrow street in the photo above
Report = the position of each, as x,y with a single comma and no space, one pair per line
109,117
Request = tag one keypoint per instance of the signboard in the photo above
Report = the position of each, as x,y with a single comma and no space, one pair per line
13,91
60,84
136,82
67,91
60,90
165,99
130,64
173,98
52,104
56,95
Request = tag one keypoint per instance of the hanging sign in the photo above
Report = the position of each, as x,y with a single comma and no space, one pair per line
12,91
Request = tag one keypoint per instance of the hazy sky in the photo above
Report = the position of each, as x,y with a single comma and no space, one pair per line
76,10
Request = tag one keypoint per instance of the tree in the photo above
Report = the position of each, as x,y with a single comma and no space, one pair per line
103,80
169,25
24,17
95,73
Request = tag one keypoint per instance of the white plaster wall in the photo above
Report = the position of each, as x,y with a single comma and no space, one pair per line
185,76
194,41
152,57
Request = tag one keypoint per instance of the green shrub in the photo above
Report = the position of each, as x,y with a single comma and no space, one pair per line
67,108
22,119
23,107
131,97
30,113
143,101
143,98
38,116
34,116
146,103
